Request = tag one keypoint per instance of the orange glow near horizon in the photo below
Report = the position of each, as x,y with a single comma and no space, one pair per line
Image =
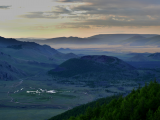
81,32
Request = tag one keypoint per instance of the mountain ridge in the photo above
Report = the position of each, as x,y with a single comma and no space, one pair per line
111,39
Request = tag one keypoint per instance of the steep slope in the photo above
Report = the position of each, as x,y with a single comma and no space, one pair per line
82,108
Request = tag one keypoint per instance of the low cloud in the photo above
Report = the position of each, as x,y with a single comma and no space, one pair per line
60,10
5,7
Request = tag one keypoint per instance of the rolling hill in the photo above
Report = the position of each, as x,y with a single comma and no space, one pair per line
87,64
93,69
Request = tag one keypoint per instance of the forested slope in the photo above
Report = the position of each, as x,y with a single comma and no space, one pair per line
82,108
140,104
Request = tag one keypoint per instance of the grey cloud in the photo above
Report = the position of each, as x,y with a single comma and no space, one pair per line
5,7
69,0
61,10
117,13
85,8
125,12
120,7
38,15
111,22
51,14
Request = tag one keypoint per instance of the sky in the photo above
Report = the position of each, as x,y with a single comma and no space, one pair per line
78,18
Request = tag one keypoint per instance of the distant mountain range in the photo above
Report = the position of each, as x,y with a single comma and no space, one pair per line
155,56
139,57
111,39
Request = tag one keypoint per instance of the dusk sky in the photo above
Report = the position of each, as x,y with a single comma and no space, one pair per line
81,18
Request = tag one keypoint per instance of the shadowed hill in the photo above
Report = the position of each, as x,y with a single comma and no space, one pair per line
97,65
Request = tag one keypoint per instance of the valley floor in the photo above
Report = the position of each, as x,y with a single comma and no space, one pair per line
40,97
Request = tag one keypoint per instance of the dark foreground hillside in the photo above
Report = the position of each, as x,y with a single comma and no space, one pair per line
140,104
82,108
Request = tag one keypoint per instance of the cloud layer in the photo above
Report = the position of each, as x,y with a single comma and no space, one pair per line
87,14
102,13
117,13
